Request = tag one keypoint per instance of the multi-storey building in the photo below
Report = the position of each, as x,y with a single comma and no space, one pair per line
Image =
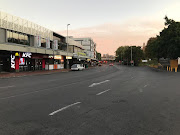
89,45
26,46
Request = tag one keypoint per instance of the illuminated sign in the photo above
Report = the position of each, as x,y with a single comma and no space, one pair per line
17,54
21,61
51,56
58,57
26,55
13,61
68,57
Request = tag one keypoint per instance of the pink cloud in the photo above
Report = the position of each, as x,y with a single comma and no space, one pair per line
110,36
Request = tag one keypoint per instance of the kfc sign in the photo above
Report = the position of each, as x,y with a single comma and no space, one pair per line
12,61
26,55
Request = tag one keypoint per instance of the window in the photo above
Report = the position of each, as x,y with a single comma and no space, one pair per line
43,43
18,38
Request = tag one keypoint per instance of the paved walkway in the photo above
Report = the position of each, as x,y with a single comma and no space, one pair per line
8,75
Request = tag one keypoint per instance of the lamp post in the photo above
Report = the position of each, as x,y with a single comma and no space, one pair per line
132,64
67,48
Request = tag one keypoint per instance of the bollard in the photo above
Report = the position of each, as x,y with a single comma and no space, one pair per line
171,69
175,69
167,68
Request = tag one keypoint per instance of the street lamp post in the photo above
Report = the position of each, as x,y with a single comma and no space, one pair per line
67,48
132,64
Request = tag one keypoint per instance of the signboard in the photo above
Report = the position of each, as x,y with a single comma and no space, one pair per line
22,61
12,61
88,59
144,61
55,44
26,55
81,54
58,57
164,62
38,41
47,43
178,60
68,57
174,63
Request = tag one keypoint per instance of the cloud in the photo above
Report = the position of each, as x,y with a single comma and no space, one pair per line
110,36
134,31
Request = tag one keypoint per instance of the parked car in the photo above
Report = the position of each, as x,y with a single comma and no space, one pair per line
77,67
111,64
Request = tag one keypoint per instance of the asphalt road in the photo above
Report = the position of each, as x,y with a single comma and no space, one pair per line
107,100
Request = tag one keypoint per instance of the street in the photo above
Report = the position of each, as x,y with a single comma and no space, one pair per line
106,100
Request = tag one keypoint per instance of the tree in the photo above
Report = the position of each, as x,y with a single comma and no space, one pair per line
152,48
120,53
167,44
98,56
124,52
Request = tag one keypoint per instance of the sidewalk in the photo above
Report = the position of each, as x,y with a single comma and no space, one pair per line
9,75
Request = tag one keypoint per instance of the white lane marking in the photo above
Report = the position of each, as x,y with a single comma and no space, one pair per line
66,107
94,84
103,92
145,86
7,87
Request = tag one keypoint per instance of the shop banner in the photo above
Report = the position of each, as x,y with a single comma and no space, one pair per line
55,44
47,43
38,41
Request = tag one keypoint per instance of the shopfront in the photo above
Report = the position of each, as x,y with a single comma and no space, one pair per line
29,61
5,61
54,62
38,61
25,62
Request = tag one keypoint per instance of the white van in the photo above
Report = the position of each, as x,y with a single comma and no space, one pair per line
77,67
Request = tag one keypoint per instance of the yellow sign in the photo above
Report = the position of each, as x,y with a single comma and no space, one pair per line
174,63
16,54
58,57
88,59
81,54
68,57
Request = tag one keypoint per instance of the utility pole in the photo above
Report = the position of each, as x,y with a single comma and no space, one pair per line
67,48
121,58
131,57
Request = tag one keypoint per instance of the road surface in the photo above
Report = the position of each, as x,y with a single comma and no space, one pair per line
107,100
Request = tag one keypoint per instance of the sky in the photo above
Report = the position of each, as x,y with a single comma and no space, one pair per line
111,23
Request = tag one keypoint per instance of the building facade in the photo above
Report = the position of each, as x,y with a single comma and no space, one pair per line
88,45
26,46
